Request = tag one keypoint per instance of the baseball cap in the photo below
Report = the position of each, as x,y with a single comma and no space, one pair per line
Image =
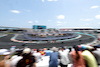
26,51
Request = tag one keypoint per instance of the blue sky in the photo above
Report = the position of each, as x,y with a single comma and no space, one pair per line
52,13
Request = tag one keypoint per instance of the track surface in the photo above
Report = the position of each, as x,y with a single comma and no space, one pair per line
5,42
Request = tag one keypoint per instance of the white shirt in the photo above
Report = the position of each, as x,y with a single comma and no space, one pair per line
64,57
38,56
15,61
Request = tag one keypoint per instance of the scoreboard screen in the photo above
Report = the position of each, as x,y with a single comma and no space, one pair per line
39,27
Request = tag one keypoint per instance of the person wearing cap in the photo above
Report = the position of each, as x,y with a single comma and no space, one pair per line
27,60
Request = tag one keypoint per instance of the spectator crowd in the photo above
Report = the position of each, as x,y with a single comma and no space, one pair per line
76,56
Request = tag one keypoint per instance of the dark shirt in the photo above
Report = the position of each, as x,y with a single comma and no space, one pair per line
26,62
53,59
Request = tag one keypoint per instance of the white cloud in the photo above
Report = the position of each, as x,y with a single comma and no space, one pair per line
42,0
30,22
61,17
94,7
97,16
86,19
15,11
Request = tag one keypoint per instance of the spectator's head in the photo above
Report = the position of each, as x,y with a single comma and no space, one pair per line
38,50
48,49
44,49
54,49
75,47
62,48
26,51
95,47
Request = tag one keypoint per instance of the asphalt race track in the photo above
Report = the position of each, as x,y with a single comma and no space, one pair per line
5,42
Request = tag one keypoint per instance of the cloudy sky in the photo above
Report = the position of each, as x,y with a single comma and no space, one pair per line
52,13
